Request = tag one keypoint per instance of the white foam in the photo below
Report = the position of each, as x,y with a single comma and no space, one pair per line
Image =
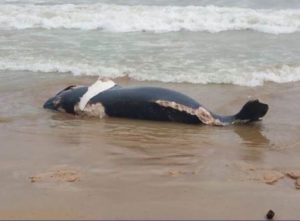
280,74
62,66
122,18
96,88
223,75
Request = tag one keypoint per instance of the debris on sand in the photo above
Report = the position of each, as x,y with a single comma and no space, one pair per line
294,174
175,173
34,179
59,175
266,175
270,214
271,177
297,184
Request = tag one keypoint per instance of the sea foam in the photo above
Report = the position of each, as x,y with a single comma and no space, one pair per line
278,74
122,18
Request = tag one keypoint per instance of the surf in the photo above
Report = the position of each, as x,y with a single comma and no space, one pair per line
140,18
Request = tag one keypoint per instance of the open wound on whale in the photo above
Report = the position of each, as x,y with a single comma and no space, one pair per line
203,115
91,110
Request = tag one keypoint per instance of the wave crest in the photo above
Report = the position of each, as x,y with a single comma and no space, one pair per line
280,74
120,18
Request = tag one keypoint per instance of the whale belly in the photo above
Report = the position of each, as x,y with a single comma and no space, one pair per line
149,111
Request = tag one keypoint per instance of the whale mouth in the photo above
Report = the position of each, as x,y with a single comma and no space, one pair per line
53,103
49,104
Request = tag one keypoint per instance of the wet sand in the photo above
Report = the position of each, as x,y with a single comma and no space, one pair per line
56,166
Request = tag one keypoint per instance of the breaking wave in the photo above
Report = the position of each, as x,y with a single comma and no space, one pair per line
122,18
280,74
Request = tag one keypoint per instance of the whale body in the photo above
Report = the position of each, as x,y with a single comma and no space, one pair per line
105,98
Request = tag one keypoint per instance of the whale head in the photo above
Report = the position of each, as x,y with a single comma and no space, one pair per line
77,96
66,99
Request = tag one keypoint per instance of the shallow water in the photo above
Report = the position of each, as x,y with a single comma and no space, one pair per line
243,43
241,58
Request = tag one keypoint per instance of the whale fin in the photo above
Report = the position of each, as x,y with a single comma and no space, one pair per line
253,110
67,88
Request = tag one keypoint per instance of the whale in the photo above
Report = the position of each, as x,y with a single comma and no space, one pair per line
108,99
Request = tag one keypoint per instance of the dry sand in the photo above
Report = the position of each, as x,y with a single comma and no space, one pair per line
56,166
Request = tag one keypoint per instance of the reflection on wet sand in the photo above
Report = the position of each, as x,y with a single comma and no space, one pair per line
148,142
160,147
254,143
155,143
252,134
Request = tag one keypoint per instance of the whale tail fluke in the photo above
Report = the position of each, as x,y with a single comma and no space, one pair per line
252,111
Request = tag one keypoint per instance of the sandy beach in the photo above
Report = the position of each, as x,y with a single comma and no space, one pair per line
58,166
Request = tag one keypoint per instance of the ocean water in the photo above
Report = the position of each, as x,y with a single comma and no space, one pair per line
247,42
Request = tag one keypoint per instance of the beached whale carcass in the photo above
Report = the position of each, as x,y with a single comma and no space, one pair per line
105,98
